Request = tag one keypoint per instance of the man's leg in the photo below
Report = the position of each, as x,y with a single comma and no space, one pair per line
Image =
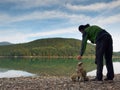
99,59
108,58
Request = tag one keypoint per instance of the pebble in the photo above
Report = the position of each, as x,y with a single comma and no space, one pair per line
55,83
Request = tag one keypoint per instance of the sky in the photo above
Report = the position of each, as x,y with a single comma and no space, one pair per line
27,20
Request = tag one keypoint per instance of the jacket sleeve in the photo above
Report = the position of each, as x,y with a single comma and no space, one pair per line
84,43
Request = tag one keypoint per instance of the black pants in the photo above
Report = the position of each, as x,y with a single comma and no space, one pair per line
104,48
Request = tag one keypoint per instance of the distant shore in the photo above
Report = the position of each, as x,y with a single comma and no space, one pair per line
55,57
37,56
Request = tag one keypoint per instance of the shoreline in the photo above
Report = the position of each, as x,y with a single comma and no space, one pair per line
56,57
55,83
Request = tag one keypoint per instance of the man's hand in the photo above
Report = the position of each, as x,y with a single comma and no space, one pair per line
79,57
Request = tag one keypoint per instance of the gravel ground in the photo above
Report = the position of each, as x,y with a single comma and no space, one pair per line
56,83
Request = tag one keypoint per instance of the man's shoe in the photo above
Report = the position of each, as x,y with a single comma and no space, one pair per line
108,80
97,80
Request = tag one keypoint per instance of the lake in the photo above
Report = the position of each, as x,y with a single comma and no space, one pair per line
15,67
37,66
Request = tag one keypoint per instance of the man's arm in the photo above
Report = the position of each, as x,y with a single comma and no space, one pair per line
83,46
84,43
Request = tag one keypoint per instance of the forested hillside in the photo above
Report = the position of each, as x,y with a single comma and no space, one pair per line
46,47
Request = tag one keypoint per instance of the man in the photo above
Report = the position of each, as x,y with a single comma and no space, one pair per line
104,47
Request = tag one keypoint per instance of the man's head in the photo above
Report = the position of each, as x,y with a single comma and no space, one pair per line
83,27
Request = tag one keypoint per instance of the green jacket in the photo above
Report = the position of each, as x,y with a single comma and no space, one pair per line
90,34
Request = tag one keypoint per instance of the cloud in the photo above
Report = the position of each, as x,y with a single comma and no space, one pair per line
53,14
103,20
28,4
15,36
71,4
70,17
12,36
36,3
94,7
37,15
5,18
53,32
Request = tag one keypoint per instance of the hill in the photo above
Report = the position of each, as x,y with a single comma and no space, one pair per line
5,43
46,47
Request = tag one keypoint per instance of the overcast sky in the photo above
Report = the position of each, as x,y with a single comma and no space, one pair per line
27,20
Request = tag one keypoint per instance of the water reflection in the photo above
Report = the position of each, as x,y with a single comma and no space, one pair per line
3,70
14,73
116,66
40,66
